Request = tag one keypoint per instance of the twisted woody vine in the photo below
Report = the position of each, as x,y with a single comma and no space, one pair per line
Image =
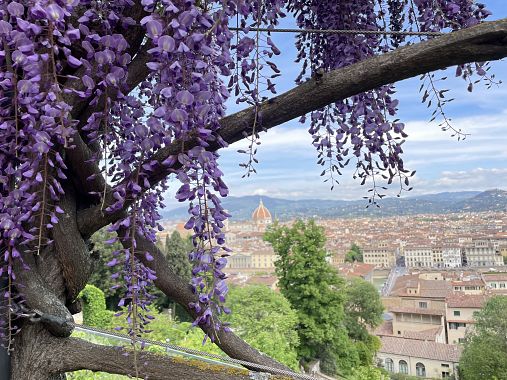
118,84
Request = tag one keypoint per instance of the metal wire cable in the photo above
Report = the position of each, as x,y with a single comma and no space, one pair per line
191,351
36,316
339,31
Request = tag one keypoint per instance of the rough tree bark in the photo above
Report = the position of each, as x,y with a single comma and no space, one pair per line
42,351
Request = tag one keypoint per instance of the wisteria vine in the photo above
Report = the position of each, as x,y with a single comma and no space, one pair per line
364,128
54,53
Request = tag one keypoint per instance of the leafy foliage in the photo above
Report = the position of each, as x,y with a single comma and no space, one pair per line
320,298
486,345
265,320
95,313
176,251
363,308
354,254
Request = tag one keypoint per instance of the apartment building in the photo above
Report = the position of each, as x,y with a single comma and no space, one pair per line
381,255
482,253
432,256
239,261
496,282
418,256
459,315
418,308
264,259
452,257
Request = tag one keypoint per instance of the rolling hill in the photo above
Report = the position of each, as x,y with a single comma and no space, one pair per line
241,208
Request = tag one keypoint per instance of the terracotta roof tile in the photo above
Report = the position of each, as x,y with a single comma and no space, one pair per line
472,301
420,349
430,334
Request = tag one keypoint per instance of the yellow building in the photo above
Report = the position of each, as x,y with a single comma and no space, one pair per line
264,259
381,255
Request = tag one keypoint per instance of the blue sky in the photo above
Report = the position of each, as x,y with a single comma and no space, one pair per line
287,161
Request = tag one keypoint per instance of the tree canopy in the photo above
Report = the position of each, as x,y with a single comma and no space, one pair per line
102,102
354,254
486,344
266,320
332,314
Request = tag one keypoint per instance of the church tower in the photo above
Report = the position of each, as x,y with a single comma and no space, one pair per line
261,217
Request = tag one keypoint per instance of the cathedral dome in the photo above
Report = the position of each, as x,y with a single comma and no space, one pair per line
261,214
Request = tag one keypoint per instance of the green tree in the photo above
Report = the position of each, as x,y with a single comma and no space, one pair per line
95,313
316,292
176,251
101,276
355,253
369,373
363,308
485,352
266,320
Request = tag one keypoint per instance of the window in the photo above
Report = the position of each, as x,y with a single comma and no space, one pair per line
461,340
446,375
389,365
420,370
457,313
423,305
403,367
502,285
445,365
453,326
399,332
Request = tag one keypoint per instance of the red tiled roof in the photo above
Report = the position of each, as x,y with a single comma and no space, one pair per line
386,328
355,269
495,276
430,334
415,310
472,301
420,349
475,282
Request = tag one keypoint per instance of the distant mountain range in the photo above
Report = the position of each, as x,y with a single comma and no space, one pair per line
241,208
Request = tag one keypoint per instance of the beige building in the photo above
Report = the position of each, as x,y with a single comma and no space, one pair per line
496,282
418,308
239,261
418,357
483,253
469,286
460,315
381,255
264,259
418,256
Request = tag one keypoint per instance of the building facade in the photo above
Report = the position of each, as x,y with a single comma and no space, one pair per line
418,357
482,253
381,255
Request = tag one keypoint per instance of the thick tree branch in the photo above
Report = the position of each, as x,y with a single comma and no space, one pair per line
179,291
43,290
73,354
485,42
71,248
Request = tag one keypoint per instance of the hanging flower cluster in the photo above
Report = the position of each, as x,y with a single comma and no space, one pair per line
363,128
